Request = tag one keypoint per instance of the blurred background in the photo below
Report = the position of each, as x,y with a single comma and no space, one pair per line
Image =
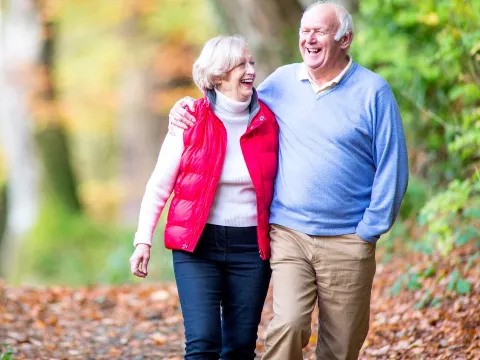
86,86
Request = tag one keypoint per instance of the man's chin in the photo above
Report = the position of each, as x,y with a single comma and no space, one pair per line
312,65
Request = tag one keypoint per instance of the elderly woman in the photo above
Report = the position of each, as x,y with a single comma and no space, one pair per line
221,171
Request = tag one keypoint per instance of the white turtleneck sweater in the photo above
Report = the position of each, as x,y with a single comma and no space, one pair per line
235,201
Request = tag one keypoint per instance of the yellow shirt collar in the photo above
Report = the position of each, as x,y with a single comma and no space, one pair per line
304,75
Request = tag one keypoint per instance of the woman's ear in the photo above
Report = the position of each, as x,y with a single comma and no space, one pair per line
217,80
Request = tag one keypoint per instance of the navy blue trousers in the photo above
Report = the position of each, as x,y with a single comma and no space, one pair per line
222,287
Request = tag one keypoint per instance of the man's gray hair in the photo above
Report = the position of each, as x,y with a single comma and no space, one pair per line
343,16
219,55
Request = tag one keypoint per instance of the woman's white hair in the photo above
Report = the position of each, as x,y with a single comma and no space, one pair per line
344,18
219,55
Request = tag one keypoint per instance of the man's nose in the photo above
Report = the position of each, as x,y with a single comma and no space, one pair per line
311,37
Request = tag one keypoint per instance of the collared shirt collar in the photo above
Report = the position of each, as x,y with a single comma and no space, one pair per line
304,75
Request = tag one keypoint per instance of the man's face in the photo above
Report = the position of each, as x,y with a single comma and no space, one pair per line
317,45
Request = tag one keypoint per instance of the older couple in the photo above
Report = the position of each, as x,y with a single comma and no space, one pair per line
342,174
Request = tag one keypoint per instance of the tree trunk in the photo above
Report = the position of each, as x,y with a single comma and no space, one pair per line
20,49
51,136
269,26
140,130
350,5
3,212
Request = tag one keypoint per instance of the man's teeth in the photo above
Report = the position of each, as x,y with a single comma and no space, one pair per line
314,51
247,81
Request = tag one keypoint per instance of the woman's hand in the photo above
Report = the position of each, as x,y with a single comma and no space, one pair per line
179,117
139,260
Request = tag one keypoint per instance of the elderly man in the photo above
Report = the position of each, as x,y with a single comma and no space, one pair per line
341,178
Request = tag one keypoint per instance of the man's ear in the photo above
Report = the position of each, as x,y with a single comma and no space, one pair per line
346,40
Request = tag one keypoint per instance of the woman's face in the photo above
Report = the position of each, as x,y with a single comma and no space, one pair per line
238,82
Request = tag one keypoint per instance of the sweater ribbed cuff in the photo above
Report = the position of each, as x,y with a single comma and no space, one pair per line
362,231
143,238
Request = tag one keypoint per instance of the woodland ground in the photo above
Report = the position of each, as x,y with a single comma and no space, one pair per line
144,321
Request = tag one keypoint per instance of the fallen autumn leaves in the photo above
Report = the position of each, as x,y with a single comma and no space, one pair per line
144,322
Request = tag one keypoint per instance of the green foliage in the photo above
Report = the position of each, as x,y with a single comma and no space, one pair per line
428,300
471,259
71,249
415,197
423,247
450,215
413,281
429,52
6,352
430,271
408,281
461,286
398,286
417,193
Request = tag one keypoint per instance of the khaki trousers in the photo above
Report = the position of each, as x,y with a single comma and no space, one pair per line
338,272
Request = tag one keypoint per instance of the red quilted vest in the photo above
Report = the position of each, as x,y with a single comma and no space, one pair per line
201,166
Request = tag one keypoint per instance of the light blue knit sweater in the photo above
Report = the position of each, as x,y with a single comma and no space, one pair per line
343,159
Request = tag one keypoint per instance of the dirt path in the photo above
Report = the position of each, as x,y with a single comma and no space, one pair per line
144,322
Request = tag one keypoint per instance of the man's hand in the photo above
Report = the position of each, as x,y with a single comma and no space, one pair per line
139,260
179,117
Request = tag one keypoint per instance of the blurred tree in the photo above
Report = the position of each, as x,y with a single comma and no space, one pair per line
270,28
156,69
139,128
51,136
3,211
20,32
135,126
351,5
3,195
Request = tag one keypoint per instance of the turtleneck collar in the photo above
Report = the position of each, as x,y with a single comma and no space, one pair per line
224,103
